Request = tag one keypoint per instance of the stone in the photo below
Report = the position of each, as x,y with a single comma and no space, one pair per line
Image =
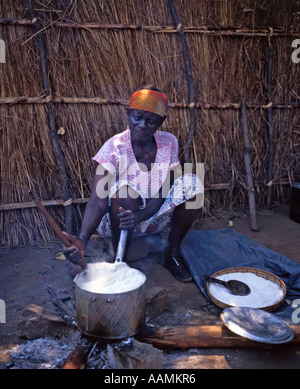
38,324
132,354
156,302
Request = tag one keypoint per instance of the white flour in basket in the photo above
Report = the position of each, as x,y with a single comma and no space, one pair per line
103,277
263,292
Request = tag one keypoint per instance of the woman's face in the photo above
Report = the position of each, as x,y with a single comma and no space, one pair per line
143,124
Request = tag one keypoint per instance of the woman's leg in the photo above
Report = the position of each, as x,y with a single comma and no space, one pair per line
181,222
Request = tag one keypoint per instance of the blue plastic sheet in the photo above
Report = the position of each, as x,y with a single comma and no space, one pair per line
206,252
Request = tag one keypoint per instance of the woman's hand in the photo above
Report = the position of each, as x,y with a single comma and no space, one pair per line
128,219
75,252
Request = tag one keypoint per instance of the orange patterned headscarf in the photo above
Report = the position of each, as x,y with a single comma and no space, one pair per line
149,100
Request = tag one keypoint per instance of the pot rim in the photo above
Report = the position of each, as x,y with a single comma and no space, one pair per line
107,294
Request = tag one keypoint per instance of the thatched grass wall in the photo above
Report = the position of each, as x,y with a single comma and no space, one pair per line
94,66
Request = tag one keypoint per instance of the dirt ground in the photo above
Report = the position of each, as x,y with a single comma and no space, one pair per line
28,272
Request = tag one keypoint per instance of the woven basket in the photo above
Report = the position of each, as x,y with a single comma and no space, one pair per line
260,273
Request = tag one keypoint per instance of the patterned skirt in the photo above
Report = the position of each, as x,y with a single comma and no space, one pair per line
183,189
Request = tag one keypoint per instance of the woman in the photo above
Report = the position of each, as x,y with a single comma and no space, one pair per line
138,185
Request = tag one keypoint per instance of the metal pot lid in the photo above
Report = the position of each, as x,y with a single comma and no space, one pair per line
256,324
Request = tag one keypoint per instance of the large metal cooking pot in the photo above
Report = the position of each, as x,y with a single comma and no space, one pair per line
111,316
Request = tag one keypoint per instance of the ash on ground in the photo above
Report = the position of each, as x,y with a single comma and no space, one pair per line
42,353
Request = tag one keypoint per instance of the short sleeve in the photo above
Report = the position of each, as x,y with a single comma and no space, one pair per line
108,156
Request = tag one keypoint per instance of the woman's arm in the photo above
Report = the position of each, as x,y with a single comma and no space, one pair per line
95,209
97,205
129,219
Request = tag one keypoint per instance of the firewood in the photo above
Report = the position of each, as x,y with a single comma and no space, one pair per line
78,357
214,336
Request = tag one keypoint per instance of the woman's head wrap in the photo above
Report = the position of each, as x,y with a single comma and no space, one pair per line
149,100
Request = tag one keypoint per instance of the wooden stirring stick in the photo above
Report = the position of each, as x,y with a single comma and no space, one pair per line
55,227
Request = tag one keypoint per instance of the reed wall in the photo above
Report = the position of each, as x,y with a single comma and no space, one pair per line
98,52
